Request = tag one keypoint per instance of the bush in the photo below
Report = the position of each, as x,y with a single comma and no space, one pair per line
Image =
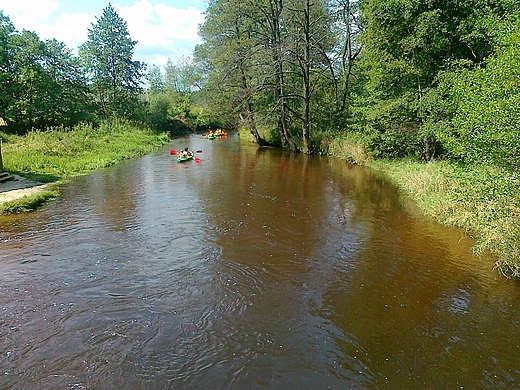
485,124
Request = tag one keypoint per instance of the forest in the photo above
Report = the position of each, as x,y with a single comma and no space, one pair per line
421,78
372,81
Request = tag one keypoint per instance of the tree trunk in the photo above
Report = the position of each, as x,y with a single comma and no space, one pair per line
306,78
250,120
274,23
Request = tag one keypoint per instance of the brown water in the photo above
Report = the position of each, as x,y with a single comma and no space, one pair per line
250,269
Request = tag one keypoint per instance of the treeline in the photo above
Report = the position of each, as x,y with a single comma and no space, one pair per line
422,78
44,85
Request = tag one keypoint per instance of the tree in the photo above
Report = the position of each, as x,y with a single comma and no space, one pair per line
41,82
272,34
183,77
267,56
309,35
408,42
155,79
8,82
33,83
486,107
67,92
227,52
115,77
407,46
347,26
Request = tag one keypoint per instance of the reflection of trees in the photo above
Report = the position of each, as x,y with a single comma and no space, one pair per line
276,220
310,240
267,201
414,301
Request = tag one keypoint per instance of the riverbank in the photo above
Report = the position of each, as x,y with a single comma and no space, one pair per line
42,161
483,200
21,194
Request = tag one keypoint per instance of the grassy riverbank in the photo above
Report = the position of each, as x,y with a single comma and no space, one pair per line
484,200
57,155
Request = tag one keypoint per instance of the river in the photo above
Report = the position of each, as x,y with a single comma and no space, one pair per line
251,268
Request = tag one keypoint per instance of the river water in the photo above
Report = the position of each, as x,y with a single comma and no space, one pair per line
253,268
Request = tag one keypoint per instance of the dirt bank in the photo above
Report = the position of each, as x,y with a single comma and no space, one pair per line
19,187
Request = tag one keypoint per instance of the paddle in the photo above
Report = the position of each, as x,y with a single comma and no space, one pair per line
197,159
199,151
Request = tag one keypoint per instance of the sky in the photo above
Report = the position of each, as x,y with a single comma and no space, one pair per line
163,29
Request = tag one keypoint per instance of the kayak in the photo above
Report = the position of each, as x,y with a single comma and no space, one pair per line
211,136
182,158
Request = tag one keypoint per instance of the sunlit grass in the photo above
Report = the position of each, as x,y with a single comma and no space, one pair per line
27,203
482,199
58,155
349,146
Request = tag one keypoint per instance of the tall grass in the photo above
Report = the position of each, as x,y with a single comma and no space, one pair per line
55,156
350,146
59,154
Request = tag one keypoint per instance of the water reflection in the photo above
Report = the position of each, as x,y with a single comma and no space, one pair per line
253,268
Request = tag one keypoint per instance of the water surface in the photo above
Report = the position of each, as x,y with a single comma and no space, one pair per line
253,268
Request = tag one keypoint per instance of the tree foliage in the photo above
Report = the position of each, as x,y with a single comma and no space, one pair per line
409,46
267,61
116,79
42,83
170,96
486,107
422,78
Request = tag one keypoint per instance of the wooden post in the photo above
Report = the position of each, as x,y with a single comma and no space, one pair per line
2,123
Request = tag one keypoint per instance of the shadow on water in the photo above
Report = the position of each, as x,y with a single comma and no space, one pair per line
251,268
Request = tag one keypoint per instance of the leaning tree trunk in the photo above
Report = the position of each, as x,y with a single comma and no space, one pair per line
250,120
285,136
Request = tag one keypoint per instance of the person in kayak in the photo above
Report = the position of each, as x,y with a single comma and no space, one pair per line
185,153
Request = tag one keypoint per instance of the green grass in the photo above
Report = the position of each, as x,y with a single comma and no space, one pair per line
55,156
28,203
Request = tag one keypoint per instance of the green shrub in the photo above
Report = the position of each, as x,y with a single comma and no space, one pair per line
486,121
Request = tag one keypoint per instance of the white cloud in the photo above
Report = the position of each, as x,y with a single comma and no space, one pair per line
164,28
71,29
162,31
43,17
27,11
